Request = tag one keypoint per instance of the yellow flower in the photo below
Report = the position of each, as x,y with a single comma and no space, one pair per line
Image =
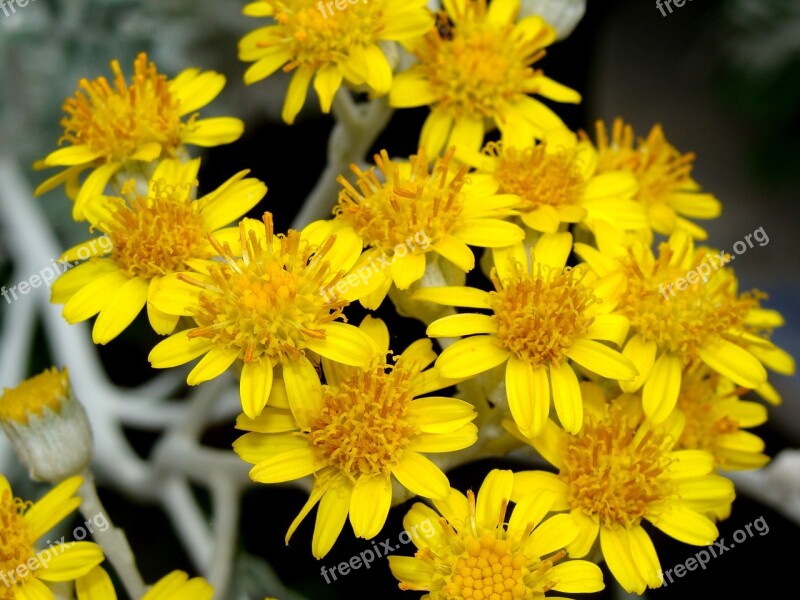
47,426
676,322
476,68
557,182
347,45
23,569
474,552
96,585
543,315
265,309
715,421
411,211
666,188
125,127
147,237
358,432
618,470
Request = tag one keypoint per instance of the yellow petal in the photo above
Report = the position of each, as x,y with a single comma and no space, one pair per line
331,516
530,510
661,390
53,507
286,466
642,353
445,442
122,308
435,132
407,269
214,132
303,389
195,90
419,475
95,585
552,250
411,570
70,561
685,525
616,551
467,133
457,252
255,448
577,577
369,505
213,364
488,233
601,359
296,94
553,534
611,328
567,397
588,528
466,297
93,297
440,415
178,349
461,325
94,185
644,556
255,386
531,483
71,155
344,343
493,495
326,84
528,390
267,65
471,356
410,89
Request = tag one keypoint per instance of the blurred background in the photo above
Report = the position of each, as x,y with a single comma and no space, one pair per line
723,77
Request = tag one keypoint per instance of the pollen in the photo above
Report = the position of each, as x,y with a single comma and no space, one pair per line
411,199
315,38
117,120
156,235
488,569
16,542
474,67
612,475
539,316
266,304
683,321
46,390
363,427
537,176
659,167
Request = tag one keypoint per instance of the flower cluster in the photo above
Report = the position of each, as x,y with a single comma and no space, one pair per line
568,346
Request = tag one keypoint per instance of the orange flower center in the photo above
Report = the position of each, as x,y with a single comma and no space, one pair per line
267,303
363,427
156,235
119,120
476,68
411,201
613,474
539,177
539,316
16,544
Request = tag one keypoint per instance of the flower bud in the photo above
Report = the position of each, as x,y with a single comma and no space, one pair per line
47,426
